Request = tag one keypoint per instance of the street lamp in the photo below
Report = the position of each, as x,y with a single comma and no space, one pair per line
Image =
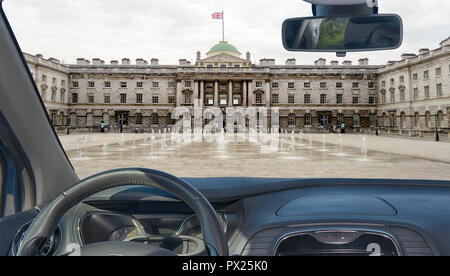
437,130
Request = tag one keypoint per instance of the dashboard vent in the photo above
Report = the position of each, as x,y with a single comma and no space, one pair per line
261,243
413,243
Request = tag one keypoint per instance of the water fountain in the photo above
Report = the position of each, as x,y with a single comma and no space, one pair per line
122,141
364,149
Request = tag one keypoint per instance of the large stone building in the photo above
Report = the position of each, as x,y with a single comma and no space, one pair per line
410,96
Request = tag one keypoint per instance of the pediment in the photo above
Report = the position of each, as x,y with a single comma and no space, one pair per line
223,58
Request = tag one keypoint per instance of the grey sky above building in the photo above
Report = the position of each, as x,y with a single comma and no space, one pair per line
173,29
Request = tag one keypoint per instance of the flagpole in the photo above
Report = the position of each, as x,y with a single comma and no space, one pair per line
223,26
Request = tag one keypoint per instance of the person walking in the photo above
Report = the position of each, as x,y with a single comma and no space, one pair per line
102,127
342,127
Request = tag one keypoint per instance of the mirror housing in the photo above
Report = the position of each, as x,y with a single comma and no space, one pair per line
343,34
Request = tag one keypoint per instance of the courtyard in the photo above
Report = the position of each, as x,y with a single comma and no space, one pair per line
260,155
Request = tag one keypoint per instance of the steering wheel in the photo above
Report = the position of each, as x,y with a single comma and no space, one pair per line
47,220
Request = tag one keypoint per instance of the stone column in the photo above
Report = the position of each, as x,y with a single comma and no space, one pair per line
230,93
244,97
250,93
268,94
216,93
196,90
179,93
202,93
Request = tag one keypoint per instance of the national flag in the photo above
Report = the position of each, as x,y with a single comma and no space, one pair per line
217,15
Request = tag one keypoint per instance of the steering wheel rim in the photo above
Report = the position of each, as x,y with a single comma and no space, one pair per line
47,220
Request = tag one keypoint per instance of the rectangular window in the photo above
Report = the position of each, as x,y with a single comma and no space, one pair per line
372,99
90,98
307,85
383,84
107,84
63,83
155,99
139,98
383,98
237,66
91,84
258,98
355,100
402,79
171,99
75,84
291,99
123,98
123,84
438,72
426,75
274,84
171,84
187,84
392,82
74,98
53,96
392,97
339,99
237,85
258,84
416,93
307,99
339,85
107,98
355,85
275,98
291,85
54,81
323,85
427,92
371,85
402,96
44,78
139,84
323,99
439,90
209,66
415,77
155,84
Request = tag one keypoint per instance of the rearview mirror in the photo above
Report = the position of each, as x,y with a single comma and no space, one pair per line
343,34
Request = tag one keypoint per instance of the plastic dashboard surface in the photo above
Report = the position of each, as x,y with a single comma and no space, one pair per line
411,213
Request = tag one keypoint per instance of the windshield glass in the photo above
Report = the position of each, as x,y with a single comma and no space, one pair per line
205,89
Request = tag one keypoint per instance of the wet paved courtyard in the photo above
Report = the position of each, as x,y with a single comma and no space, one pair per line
304,156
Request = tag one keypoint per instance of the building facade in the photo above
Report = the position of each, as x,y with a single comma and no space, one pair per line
410,96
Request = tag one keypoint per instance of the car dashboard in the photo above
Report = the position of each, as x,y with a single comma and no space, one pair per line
356,218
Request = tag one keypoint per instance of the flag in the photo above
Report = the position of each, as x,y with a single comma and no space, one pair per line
217,15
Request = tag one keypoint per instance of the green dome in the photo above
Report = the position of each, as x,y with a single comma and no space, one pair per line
222,47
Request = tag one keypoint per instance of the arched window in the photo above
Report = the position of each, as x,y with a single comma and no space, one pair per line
291,119
416,119
340,118
392,120
402,120
73,120
373,120
356,120
138,119
155,119
170,121
106,119
90,120
427,119
308,119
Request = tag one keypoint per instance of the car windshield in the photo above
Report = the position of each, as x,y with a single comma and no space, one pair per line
205,89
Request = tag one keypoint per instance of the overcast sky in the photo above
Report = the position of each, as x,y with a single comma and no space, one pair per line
173,29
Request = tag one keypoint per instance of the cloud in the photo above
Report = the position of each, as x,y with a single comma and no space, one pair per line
174,29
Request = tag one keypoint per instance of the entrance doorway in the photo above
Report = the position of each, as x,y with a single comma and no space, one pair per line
324,121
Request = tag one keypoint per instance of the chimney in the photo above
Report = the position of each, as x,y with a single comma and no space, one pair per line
347,63
154,61
424,51
407,56
184,62
114,62
141,61
334,63
363,61
81,61
266,62
291,62
320,61
126,61
96,61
